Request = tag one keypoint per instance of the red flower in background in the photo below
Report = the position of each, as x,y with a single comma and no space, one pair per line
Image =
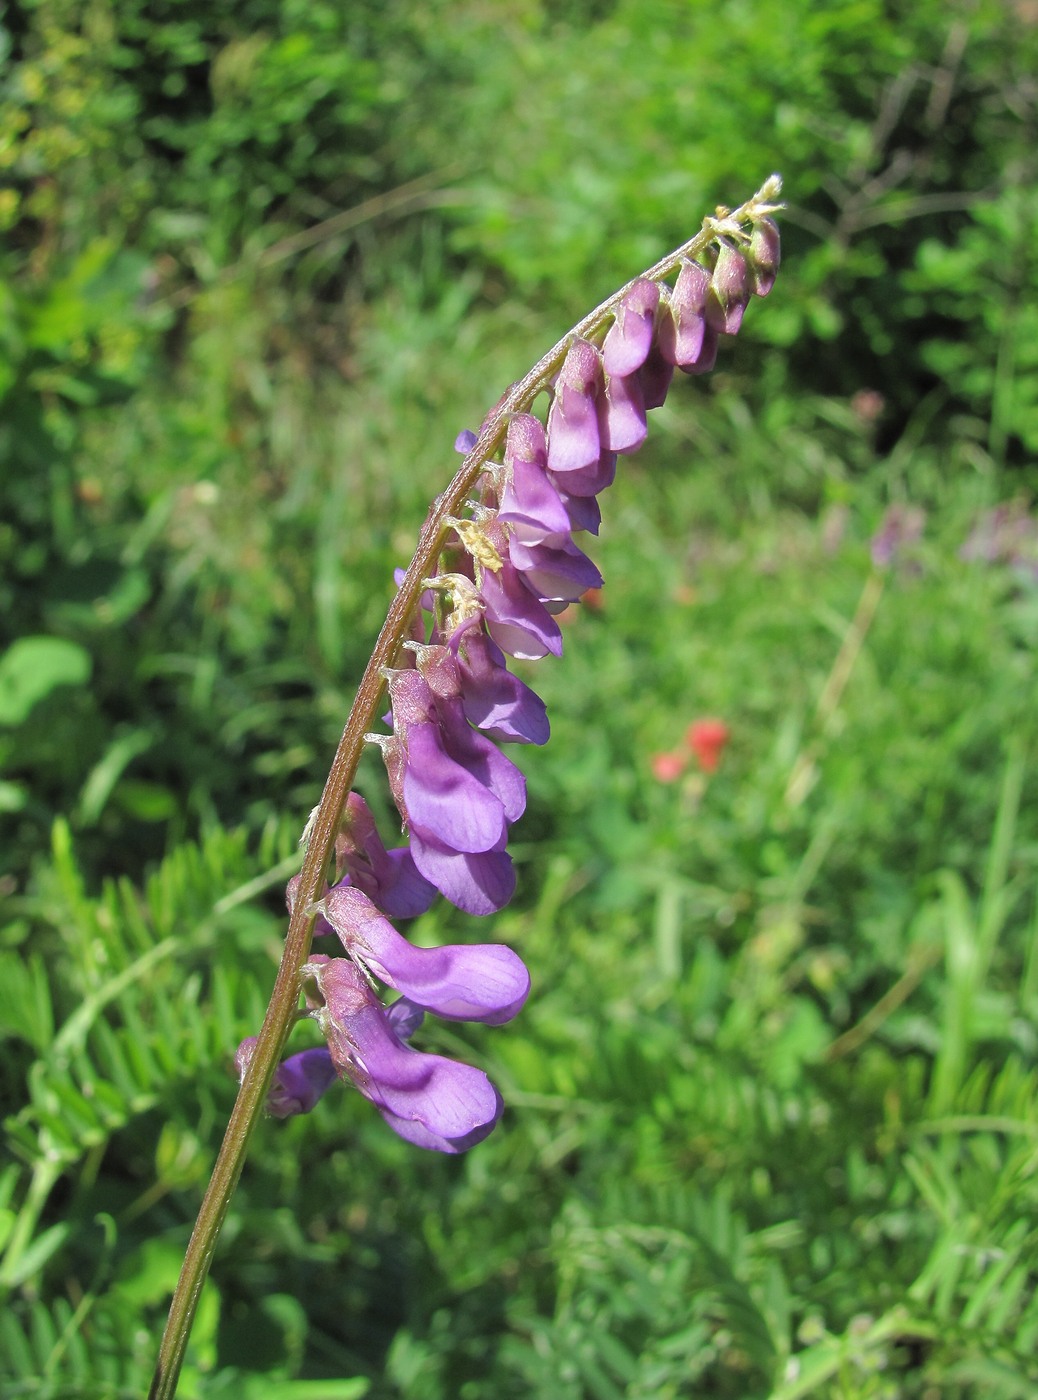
707,739
668,767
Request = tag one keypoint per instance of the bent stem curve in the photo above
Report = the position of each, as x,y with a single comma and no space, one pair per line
321,833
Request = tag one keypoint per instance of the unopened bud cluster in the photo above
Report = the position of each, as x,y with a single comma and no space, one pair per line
509,564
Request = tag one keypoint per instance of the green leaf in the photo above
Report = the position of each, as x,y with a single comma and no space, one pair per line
32,667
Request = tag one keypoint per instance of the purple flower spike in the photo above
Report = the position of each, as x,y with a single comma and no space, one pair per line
496,564
729,291
682,329
622,414
298,1083
478,982
429,1100
901,527
573,442
629,339
764,256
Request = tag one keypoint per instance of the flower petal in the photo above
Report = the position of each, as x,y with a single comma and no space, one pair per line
629,338
622,414
495,701
462,982
573,441
443,797
517,620
453,1104
479,882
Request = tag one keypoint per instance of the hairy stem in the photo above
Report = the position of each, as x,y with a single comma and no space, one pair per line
324,827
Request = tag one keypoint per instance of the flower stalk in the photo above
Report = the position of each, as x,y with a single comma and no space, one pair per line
520,568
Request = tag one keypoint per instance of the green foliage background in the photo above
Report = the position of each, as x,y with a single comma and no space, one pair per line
772,1126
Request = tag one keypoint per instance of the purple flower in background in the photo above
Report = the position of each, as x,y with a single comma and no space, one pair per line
1007,534
901,527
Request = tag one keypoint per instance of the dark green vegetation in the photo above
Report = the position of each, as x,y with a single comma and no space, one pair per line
772,1127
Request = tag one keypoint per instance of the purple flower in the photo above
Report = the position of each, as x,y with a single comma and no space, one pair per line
682,334
556,573
462,982
573,439
516,618
389,878
729,292
629,339
901,527
1007,534
530,502
298,1082
584,511
591,480
707,356
497,702
622,414
430,1100
478,882
655,375
456,791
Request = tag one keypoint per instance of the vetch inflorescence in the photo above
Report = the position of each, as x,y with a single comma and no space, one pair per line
505,565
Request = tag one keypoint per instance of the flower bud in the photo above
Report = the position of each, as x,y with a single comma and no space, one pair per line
629,338
683,327
729,291
573,441
764,256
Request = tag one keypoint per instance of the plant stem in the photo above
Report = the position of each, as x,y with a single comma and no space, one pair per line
324,827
